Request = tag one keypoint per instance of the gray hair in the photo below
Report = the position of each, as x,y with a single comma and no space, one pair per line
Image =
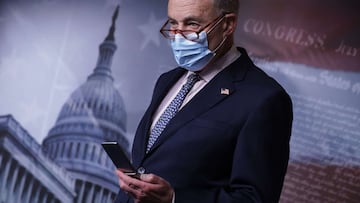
227,6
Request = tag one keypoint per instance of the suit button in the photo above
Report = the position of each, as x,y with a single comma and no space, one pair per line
141,170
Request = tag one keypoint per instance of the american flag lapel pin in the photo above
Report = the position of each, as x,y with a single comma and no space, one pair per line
225,91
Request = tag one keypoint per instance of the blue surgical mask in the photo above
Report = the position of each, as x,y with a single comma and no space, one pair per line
192,55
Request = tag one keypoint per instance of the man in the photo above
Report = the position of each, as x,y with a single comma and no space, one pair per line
228,140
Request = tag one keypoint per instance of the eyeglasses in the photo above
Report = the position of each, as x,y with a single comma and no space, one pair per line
188,34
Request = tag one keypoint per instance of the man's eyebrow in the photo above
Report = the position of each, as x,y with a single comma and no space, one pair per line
172,19
186,19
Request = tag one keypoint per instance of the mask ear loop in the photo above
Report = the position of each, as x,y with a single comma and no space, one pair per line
223,41
220,45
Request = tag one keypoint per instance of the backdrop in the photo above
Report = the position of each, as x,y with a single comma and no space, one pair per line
49,47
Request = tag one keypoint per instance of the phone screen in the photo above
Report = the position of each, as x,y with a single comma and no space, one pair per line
119,157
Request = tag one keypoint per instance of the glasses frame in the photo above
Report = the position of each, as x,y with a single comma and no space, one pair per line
176,31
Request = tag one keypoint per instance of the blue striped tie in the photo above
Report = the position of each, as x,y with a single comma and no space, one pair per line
171,110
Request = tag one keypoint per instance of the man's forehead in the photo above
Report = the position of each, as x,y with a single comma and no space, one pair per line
190,9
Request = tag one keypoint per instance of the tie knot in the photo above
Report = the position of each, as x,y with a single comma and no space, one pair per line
193,78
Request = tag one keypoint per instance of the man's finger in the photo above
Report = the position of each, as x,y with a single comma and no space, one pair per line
151,178
133,190
130,180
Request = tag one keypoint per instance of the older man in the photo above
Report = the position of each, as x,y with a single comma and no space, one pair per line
217,128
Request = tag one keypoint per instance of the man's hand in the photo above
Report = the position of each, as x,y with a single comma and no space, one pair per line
148,189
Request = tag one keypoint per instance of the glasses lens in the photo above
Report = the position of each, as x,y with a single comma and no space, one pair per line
190,35
168,33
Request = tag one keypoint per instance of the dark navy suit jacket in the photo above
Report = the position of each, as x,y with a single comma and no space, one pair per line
221,147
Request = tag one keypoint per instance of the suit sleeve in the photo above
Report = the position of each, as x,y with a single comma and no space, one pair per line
262,151
260,157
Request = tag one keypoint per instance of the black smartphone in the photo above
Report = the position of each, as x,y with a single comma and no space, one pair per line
119,158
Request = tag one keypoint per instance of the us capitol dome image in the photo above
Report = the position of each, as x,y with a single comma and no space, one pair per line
70,165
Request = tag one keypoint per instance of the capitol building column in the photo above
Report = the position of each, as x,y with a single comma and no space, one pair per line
30,187
22,176
13,179
4,177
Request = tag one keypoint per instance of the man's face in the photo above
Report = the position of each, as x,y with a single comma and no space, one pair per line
194,15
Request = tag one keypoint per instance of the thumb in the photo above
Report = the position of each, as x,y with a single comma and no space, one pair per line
150,178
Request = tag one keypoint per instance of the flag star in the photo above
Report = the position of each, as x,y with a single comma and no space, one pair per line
150,30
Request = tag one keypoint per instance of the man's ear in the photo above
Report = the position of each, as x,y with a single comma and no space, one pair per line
230,24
